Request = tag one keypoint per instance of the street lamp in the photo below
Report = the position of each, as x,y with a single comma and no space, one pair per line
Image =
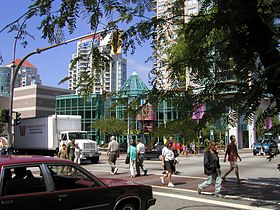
16,70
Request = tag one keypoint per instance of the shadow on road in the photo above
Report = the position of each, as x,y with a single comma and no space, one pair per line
261,189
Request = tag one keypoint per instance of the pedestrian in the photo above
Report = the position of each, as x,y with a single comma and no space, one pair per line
132,155
71,153
1,147
176,153
168,163
113,154
232,154
187,150
71,149
63,153
140,148
212,170
193,149
77,154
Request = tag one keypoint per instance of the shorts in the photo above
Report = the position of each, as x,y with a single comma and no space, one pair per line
112,158
170,167
233,164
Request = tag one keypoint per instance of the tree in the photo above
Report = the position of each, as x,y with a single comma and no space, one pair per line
111,126
125,20
232,50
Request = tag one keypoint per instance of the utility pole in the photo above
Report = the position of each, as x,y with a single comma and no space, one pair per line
15,70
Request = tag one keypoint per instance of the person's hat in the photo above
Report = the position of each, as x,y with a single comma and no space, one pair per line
112,137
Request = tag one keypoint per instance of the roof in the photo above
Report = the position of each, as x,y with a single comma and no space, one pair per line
19,159
134,86
25,63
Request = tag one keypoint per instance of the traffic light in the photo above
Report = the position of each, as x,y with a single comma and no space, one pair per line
18,118
5,116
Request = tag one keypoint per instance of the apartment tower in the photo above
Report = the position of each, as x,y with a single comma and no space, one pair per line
109,78
168,34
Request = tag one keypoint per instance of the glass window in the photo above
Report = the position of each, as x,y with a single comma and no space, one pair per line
23,180
70,177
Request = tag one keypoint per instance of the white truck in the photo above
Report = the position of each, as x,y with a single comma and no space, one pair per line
43,136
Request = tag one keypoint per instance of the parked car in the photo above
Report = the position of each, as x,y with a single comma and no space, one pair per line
153,152
265,147
50,183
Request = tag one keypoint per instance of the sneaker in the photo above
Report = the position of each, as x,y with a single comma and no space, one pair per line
218,195
116,170
199,191
145,172
164,172
162,180
170,184
111,172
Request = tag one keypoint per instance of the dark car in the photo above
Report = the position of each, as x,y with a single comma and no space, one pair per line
153,152
36,182
265,147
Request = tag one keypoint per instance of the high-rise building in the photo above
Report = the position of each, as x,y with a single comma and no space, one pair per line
27,75
168,34
5,77
109,78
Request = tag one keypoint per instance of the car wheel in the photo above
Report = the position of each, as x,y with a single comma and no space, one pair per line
128,206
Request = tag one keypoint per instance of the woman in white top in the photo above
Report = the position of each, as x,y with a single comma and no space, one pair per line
168,163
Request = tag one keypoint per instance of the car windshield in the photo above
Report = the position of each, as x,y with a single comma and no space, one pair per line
78,135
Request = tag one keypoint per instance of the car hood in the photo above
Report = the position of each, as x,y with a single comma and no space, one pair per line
116,182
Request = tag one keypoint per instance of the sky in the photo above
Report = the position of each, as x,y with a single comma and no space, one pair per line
52,65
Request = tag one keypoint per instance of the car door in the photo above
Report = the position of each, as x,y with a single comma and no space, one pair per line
74,189
24,193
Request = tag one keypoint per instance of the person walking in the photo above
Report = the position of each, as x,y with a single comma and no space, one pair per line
78,151
113,154
71,149
63,153
133,156
212,170
140,148
168,163
232,154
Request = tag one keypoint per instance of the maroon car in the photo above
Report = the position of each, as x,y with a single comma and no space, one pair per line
37,182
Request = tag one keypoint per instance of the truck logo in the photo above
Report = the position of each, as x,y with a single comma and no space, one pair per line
22,130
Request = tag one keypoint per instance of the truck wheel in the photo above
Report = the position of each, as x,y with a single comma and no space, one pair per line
94,160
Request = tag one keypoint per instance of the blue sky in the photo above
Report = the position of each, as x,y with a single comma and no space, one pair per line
53,64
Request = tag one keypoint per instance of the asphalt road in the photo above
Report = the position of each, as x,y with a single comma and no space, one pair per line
259,188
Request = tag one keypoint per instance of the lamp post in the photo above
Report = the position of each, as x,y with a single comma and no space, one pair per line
15,70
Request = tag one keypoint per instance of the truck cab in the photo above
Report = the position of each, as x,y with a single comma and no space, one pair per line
88,148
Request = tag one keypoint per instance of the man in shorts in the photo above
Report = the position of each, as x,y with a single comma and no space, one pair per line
113,154
232,154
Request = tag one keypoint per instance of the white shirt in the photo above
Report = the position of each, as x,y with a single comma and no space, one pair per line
168,154
140,148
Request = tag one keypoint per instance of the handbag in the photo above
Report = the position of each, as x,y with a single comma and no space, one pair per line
127,159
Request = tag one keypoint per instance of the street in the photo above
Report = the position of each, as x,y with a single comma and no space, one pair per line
259,187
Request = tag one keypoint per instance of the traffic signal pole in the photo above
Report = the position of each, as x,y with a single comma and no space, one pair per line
15,69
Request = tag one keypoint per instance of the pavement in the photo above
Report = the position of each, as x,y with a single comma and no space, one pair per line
255,190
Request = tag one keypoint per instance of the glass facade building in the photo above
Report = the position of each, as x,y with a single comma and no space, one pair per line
5,77
141,124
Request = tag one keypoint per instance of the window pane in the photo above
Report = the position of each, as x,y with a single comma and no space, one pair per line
22,180
69,177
